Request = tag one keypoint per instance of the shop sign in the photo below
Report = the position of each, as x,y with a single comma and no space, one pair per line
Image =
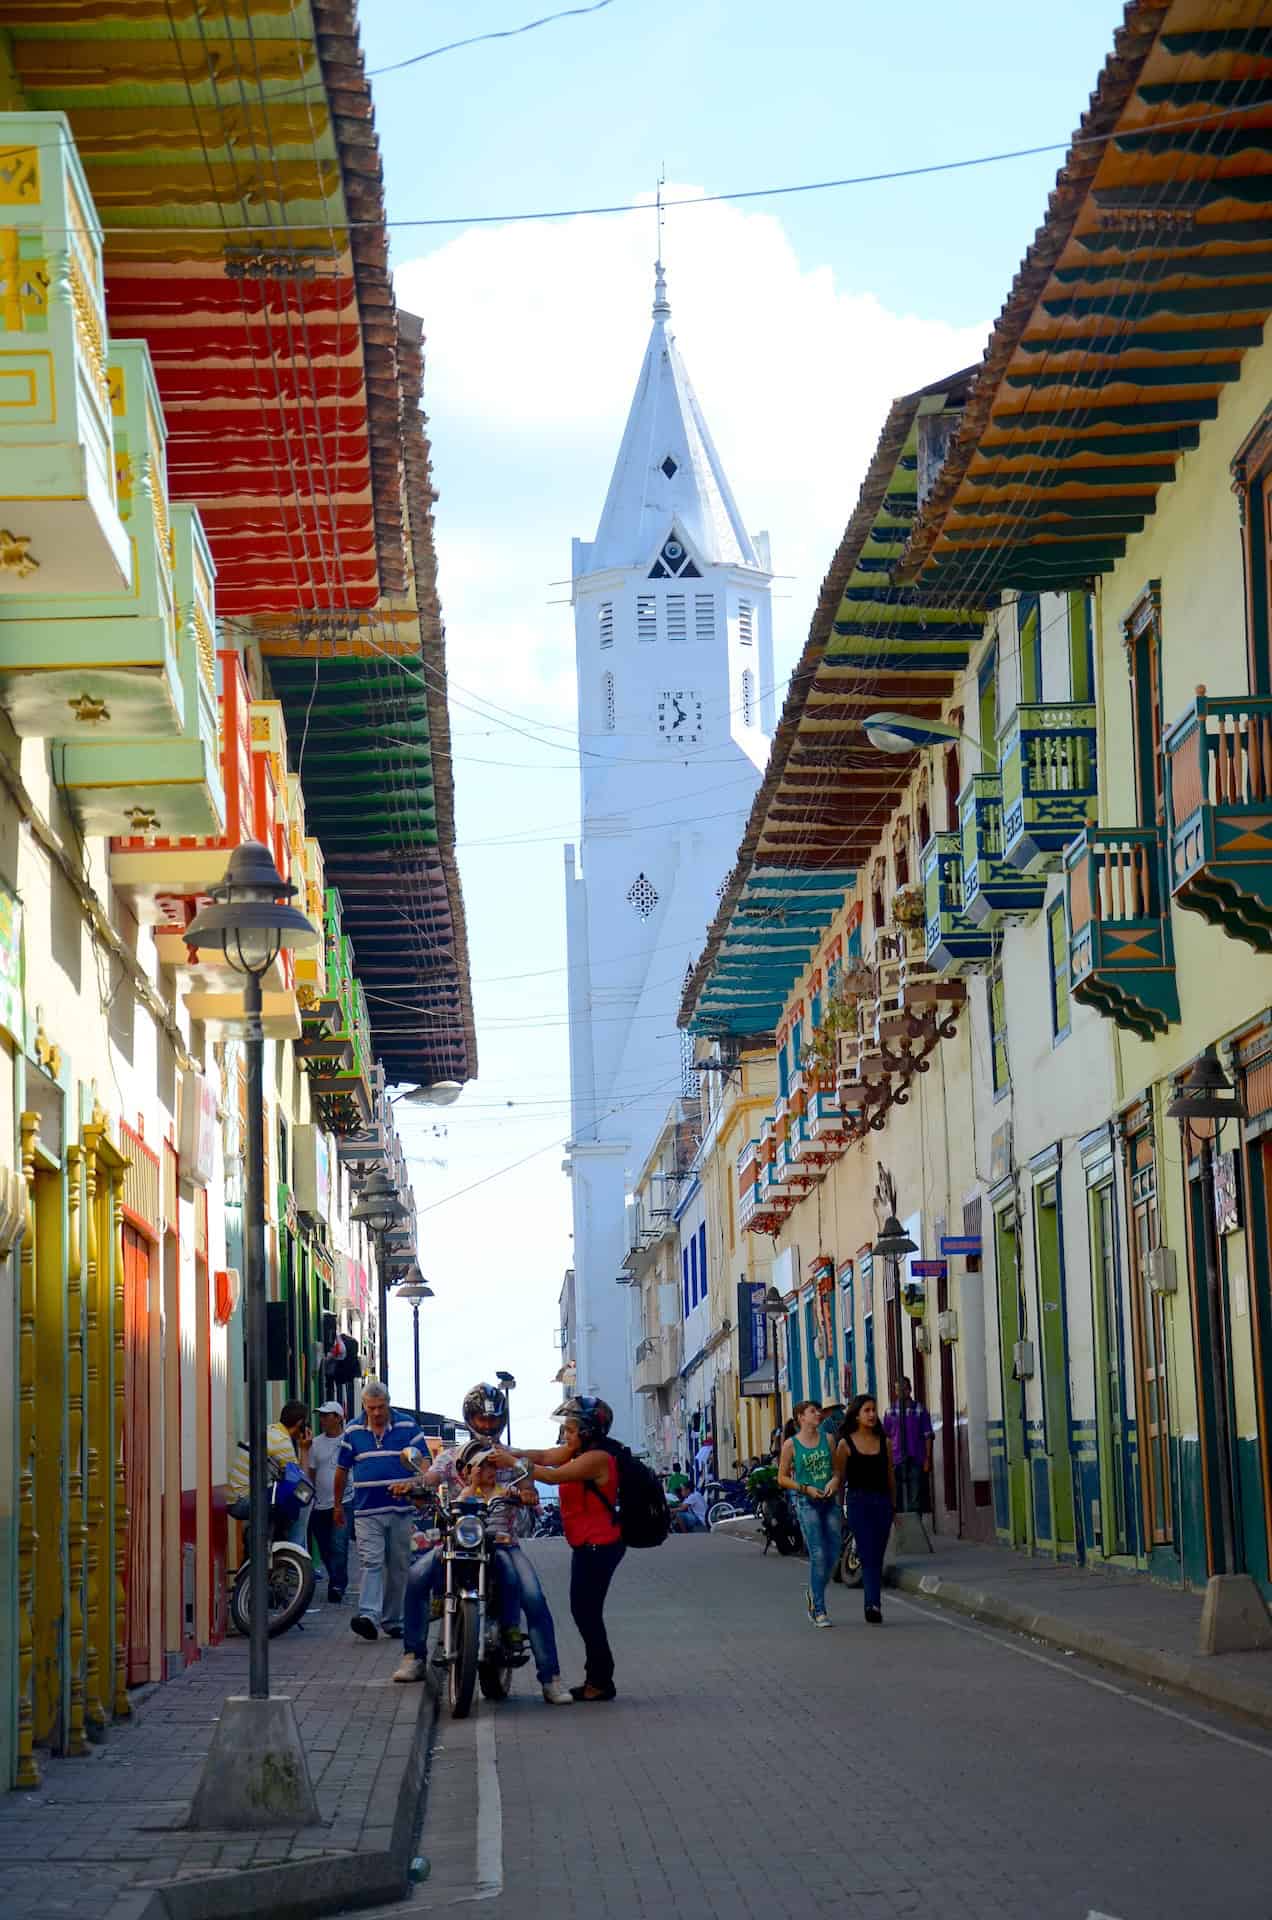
11,965
198,1129
964,1246
929,1269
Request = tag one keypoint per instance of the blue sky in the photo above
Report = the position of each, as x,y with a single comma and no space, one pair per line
799,318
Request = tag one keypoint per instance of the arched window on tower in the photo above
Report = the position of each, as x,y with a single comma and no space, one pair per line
748,698
608,711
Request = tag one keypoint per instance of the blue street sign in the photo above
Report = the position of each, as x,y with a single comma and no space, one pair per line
966,1244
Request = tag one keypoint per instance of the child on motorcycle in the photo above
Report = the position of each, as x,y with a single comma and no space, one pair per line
519,1587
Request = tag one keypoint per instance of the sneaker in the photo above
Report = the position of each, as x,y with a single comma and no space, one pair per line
394,1631
874,1616
556,1693
822,1620
414,1668
364,1626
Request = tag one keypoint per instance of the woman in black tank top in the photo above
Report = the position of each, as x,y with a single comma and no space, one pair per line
866,1460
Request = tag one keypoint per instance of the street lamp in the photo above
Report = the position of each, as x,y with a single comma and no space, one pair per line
256,1772
436,1093
774,1310
1206,1095
379,1209
893,1245
904,732
415,1288
507,1382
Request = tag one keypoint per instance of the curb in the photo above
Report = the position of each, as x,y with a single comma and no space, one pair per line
320,1883
1202,1678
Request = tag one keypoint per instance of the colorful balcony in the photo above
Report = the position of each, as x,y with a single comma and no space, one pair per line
954,947
161,785
338,1060
1219,809
105,663
1048,761
995,893
750,1186
825,1119
57,462
1122,957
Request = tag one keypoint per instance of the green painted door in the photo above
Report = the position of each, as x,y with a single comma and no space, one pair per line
1009,1332
1055,1367
1110,1392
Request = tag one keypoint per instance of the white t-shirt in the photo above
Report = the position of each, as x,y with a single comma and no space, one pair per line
322,1465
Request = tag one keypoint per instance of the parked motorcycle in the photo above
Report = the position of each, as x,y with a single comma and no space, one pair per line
291,1571
472,1649
774,1511
548,1524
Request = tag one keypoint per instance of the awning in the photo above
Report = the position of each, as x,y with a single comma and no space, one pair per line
758,1384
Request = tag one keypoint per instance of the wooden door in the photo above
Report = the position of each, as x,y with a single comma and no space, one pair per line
1053,1342
137,1465
1151,1379
1110,1397
947,1413
1013,1524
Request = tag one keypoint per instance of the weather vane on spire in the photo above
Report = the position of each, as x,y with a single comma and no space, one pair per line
662,306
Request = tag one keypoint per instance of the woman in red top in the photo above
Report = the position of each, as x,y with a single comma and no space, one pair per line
587,1474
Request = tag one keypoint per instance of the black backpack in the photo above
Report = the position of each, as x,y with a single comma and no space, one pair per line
642,1514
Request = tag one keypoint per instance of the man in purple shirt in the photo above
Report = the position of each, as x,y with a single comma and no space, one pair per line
909,1430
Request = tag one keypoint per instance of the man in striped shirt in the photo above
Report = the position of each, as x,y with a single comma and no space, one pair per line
382,1520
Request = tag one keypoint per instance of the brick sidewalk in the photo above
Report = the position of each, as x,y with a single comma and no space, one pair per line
101,1835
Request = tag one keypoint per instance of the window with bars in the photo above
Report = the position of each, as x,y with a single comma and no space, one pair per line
746,623
642,895
748,698
609,713
605,623
704,616
689,1076
646,617
677,617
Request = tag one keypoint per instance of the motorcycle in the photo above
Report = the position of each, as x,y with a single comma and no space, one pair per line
548,1524
291,1571
472,1648
774,1511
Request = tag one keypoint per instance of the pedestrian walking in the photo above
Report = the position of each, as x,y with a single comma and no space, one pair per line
332,1541
703,1461
587,1474
908,1426
809,1469
370,1451
867,1470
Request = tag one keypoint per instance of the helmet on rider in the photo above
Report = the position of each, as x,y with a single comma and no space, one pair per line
485,1409
471,1455
592,1416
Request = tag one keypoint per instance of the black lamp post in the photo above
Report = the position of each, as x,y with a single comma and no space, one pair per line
893,1245
774,1310
378,1210
415,1288
251,922
507,1382
1206,1094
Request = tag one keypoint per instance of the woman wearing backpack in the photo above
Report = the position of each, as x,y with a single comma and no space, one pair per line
587,1474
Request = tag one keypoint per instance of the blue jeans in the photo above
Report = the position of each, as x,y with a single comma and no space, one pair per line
332,1543
519,1589
384,1550
870,1517
822,1525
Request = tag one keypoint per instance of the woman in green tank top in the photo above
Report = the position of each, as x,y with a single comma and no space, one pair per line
810,1469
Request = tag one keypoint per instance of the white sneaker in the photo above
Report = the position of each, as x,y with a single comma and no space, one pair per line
822,1620
556,1693
412,1668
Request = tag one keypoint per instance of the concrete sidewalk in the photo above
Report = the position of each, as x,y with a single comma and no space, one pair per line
104,1838
1123,1620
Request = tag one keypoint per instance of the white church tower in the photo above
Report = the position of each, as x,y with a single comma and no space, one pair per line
673,637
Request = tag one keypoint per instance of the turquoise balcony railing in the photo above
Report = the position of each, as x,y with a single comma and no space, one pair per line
1047,755
1121,954
995,894
954,946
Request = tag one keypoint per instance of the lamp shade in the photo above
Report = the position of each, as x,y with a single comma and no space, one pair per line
774,1303
378,1206
250,921
894,1243
439,1093
415,1287
904,732
1206,1093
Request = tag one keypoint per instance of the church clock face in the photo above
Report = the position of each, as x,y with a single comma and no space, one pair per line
680,718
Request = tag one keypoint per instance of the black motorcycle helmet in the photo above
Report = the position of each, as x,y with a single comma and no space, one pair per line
471,1453
485,1410
592,1416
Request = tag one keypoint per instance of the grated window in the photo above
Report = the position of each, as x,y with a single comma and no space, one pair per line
608,712
746,622
704,625
605,623
677,617
689,1077
670,468
646,617
643,895
748,698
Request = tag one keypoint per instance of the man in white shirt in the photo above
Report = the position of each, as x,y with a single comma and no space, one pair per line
702,1460
332,1541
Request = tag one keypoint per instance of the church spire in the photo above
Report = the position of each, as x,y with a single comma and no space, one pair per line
668,471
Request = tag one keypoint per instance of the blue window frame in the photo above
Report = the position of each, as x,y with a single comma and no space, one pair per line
1029,629
797,1046
1058,954
684,1258
846,1295
815,1011
794,1356
693,1270
783,1073
702,1261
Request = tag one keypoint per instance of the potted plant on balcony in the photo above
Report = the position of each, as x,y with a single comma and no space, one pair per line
821,1061
908,907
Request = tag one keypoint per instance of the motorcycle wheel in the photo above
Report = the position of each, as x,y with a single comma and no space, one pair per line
291,1588
848,1571
495,1679
461,1675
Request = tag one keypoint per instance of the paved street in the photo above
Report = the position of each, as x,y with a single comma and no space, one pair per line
755,1766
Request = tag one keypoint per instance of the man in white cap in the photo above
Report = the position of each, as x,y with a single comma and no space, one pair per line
332,1541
